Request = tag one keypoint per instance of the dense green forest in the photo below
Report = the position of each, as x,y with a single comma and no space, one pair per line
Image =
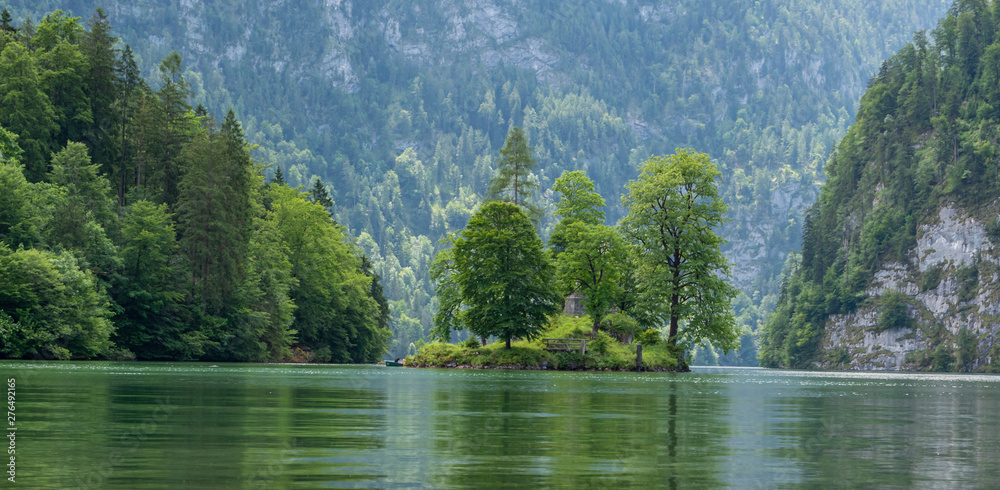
158,238
926,136
400,107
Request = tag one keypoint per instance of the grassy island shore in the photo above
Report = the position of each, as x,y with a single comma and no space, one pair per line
603,354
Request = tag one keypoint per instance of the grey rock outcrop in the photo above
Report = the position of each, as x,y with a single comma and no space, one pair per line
939,308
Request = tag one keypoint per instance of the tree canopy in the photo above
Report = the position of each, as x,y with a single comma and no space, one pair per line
502,276
673,210
132,226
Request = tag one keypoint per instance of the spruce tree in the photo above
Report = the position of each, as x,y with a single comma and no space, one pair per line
512,182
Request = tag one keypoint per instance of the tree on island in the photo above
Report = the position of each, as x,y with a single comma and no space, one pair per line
591,264
512,183
578,202
589,255
500,279
673,209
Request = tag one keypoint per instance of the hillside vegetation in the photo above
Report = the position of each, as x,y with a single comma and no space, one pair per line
400,107
922,157
157,238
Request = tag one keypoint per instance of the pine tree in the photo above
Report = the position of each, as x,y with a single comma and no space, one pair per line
319,195
512,182
129,85
279,178
26,111
100,80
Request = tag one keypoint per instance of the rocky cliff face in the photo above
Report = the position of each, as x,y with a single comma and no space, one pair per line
950,283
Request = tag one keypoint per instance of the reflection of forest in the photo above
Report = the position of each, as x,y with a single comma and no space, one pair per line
285,426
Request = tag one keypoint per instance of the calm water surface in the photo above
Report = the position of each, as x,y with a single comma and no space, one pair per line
145,425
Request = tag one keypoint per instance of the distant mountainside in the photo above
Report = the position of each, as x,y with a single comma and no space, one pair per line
900,265
400,106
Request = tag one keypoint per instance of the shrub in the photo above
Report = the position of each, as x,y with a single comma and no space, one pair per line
931,279
942,360
600,344
895,312
968,282
968,349
621,325
471,343
649,337
993,231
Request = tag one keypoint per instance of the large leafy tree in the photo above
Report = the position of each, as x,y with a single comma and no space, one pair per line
578,203
20,215
503,276
673,210
62,73
592,265
50,307
150,296
336,315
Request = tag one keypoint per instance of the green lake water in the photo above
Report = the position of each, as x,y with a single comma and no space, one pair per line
184,425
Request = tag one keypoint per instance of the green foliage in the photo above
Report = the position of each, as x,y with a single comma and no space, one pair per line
24,213
151,296
622,325
193,260
602,354
600,343
591,265
53,309
968,281
931,278
925,138
334,309
673,209
470,343
769,119
503,276
649,337
893,312
25,110
942,360
967,350
513,182
578,200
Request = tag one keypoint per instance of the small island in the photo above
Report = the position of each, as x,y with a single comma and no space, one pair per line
606,353
660,266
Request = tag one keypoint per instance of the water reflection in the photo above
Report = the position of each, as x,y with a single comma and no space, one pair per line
137,425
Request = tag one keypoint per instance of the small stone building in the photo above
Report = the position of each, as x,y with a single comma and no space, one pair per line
574,305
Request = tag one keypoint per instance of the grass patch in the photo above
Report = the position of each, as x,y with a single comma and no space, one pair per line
604,354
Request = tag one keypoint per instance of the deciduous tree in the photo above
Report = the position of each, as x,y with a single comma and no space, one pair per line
673,210
503,275
592,265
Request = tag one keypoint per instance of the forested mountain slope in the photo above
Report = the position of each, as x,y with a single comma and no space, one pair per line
400,106
899,265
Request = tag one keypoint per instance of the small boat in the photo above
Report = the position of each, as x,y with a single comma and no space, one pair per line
391,363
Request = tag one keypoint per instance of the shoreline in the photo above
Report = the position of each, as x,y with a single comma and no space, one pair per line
513,367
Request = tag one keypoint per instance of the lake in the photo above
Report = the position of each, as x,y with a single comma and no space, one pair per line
190,425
